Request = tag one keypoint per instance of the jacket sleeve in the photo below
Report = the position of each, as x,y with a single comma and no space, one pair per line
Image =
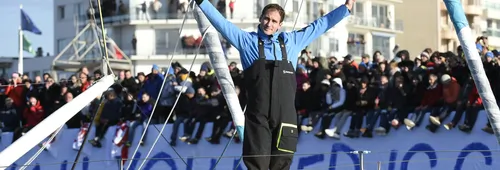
229,31
306,35
341,100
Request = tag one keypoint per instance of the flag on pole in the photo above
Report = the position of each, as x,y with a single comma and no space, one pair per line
28,25
27,45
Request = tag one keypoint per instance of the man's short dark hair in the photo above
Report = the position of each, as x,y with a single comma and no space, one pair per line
274,7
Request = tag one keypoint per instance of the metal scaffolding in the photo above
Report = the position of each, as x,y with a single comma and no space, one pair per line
84,50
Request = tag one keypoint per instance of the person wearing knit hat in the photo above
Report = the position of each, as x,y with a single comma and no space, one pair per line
451,93
153,83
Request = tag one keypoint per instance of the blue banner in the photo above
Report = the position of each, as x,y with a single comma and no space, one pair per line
399,150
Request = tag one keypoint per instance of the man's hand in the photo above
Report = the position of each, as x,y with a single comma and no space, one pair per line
240,131
349,4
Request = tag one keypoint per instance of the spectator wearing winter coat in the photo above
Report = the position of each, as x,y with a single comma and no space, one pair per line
461,103
153,83
301,77
337,73
130,83
220,115
33,114
399,101
10,119
15,92
365,101
352,89
145,109
381,105
474,105
167,98
110,115
49,95
132,114
451,91
183,82
429,103
187,104
335,99
204,79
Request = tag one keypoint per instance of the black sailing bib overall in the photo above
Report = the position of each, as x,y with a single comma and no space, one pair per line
270,118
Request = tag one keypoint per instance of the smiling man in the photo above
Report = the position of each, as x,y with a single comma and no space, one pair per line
269,58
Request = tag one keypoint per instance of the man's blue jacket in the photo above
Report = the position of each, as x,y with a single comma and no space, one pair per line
246,42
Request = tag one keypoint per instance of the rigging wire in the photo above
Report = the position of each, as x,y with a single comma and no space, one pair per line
105,58
161,88
178,97
42,148
104,54
92,119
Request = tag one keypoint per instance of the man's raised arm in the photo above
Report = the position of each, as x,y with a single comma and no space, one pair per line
228,30
306,35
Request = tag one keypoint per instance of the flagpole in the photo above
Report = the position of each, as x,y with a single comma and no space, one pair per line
20,61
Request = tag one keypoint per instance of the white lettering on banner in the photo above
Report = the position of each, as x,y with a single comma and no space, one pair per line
399,150
287,72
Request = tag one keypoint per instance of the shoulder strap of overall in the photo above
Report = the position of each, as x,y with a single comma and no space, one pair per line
261,49
283,48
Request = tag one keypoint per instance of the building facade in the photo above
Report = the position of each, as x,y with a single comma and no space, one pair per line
374,27
431,27
151,36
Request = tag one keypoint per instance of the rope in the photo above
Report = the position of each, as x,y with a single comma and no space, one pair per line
41,148
178,97
162,86
92,120
106,57
298,14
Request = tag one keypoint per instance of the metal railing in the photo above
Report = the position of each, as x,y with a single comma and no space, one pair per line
156,17
356,49
377,22
493,32
493,5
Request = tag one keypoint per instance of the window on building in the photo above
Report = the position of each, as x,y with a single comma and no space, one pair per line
489,23
76,8
382,44
161,41
358,9
334,45
356,44
36,73
61,12
379,14
62,43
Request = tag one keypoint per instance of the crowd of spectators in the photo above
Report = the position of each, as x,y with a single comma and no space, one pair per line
399,92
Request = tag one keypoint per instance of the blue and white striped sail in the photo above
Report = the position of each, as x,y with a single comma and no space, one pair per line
220,65
474,62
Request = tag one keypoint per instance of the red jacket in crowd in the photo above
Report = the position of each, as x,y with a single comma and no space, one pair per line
33,115
16,94
474,98
85,86
432,95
